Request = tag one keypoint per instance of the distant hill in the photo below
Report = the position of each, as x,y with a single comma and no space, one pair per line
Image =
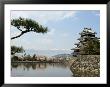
62,55
48,53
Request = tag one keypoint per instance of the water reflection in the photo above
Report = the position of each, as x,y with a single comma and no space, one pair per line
40,69
37,65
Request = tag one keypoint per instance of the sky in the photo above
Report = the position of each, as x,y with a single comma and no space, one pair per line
64,28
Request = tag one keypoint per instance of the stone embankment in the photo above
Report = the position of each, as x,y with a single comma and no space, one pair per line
69,62
86,66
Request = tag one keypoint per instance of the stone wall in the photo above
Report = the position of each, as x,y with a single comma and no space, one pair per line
86,66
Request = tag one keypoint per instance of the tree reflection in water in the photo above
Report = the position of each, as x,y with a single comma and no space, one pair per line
35,66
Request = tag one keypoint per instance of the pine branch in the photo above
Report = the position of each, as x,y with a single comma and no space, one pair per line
19,29
17,36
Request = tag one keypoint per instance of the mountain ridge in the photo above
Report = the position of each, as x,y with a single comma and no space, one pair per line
48,53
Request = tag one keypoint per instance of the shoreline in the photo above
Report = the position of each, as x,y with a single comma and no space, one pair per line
33,62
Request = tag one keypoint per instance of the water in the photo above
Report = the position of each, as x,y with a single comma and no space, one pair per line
40,70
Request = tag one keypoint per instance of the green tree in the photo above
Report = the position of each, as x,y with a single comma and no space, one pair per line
25,25
15,49
92,47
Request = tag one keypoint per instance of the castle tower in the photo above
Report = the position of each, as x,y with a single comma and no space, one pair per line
85,35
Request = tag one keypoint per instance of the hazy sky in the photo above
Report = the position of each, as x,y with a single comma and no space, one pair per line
64,28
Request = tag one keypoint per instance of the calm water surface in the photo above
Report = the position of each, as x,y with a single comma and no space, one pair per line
40,70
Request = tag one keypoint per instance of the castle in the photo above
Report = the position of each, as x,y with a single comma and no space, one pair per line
85,35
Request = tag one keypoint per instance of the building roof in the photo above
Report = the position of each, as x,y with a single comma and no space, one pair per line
76,48
76,44
87,31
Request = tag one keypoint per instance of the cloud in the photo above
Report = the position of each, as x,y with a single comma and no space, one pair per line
51,32
44,16
69,14
96,13
46,41
64,35
39,43
14,32
17,14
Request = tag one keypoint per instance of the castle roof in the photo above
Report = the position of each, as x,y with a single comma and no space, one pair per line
76,48
87,31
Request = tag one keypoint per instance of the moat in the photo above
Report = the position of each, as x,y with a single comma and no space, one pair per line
40,70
